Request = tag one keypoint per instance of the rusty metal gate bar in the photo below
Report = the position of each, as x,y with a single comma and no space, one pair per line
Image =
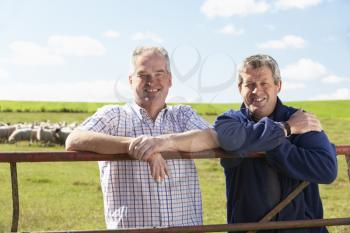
62,156
14,157
238,227
347,158
283,203
15,197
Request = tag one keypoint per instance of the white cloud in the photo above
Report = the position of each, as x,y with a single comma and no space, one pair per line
3,73
231,30
111,34
304,69
339,94
28,53
288,41
298,4
147,36
95,91
228,8
292,85
76,45
333,79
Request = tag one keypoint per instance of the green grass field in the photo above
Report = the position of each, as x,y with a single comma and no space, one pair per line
47,106
61,196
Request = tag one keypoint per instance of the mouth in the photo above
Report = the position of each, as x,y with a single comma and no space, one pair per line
152,90
258,100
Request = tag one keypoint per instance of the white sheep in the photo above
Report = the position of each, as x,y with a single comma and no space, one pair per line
5,132
24,134
73,125
46,135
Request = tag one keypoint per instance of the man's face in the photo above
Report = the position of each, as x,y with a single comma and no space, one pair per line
151,80
259,91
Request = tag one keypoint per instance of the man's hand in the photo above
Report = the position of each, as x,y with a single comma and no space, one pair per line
158,167
143,147
302,122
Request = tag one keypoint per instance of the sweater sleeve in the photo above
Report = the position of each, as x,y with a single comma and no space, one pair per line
309,157
236,133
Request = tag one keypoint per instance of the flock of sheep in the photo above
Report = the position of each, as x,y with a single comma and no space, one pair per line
43,132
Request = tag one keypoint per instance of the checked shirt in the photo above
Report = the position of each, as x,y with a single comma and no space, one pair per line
132,198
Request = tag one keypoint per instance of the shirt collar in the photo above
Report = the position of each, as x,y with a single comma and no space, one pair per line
142,113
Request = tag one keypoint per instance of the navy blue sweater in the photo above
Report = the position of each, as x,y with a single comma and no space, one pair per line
255,186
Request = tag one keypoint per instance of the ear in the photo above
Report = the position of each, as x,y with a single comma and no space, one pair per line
130,79
170,80
240,88
279,85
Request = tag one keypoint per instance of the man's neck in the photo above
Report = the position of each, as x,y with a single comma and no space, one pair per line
153,110
254,117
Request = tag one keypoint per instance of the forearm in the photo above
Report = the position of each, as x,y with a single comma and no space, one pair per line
97,142
244,136
191,141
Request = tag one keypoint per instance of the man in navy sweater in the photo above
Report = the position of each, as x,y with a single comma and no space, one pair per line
255,186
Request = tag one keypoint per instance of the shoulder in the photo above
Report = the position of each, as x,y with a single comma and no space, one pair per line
229,118
111,111
289,110
186,116
284,111
181,110
231,114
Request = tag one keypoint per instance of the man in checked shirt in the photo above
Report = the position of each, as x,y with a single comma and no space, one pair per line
149,191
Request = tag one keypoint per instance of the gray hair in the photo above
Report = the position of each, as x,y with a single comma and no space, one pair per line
257,61
151,49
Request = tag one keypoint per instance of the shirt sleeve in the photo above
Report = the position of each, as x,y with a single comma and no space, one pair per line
103,120
309,157
236,133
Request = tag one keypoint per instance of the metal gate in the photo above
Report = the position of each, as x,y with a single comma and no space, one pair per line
264,224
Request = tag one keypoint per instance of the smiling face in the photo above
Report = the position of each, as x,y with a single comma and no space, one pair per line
150,81
259,91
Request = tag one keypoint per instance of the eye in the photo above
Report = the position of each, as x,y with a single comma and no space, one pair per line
249,85
142,76
159,74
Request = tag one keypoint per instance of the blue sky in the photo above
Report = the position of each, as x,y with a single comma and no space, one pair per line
79,50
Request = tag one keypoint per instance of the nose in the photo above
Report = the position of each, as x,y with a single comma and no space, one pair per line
256,89
149,80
